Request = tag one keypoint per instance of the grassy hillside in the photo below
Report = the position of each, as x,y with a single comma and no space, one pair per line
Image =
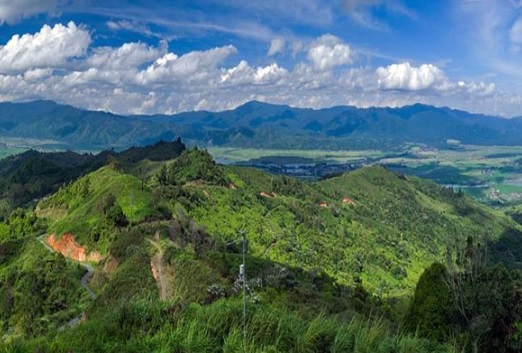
370,225
29,176
331,266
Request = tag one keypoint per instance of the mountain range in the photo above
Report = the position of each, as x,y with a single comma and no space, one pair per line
257,125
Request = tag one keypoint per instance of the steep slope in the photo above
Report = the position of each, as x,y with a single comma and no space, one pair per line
39,291
351,248
32,175
370,225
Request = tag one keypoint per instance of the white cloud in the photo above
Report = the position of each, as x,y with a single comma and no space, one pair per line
477,88
328,52
128,56
243,74
277,46
195,65
135,78
49,48
132,26
406,77
14,10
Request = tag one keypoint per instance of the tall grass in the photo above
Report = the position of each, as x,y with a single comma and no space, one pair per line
219,328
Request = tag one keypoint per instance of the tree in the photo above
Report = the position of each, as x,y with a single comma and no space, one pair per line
487,299
431,312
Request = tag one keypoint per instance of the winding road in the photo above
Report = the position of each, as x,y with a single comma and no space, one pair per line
84,282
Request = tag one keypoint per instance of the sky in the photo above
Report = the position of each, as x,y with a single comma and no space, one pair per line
170,56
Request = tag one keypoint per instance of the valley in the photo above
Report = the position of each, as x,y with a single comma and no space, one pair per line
340,243
490,174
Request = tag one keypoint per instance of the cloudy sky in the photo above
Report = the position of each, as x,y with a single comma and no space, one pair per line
168,56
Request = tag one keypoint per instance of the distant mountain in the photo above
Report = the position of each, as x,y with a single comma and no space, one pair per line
257,124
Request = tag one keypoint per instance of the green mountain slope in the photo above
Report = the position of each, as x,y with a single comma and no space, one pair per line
324,259
29,176
258,125
370,225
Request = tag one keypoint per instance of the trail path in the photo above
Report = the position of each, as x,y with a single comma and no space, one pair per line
158,271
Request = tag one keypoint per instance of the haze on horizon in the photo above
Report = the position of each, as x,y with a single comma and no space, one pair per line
145,57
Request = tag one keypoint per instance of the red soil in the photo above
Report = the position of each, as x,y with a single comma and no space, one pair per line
68,247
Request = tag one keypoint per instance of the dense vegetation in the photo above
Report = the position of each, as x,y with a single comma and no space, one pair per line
29,176
340,265
258,125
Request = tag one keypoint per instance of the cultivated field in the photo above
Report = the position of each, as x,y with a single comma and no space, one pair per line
491,174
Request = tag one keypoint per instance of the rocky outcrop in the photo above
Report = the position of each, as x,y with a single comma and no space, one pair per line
68,247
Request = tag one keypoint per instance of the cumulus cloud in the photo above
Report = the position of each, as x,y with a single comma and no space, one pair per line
406,77
12,11
477,88
136,78
192,66
277,46
328,52
50,47
243,74
128,56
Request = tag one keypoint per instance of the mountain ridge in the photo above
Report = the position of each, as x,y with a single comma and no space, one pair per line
349,248
259,125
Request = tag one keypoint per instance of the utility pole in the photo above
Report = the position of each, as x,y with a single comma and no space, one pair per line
242,272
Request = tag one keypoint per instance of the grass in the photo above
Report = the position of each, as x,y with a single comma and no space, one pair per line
218,328
77,206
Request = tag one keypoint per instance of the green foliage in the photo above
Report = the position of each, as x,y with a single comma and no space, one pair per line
357,243
160,151
39,291
19,224
32,175
113,201
430,313
132,280
195,166
473,302
141,326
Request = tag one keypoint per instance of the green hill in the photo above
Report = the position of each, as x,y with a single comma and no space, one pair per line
29,176
370,225
331,266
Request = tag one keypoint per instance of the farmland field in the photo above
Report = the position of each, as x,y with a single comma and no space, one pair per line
491,174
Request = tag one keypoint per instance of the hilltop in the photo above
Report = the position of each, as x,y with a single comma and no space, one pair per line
26,177
371,225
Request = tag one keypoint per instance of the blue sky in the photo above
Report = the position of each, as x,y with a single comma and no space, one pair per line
137,56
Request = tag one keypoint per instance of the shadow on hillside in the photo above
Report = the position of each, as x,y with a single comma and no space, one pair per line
508,249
